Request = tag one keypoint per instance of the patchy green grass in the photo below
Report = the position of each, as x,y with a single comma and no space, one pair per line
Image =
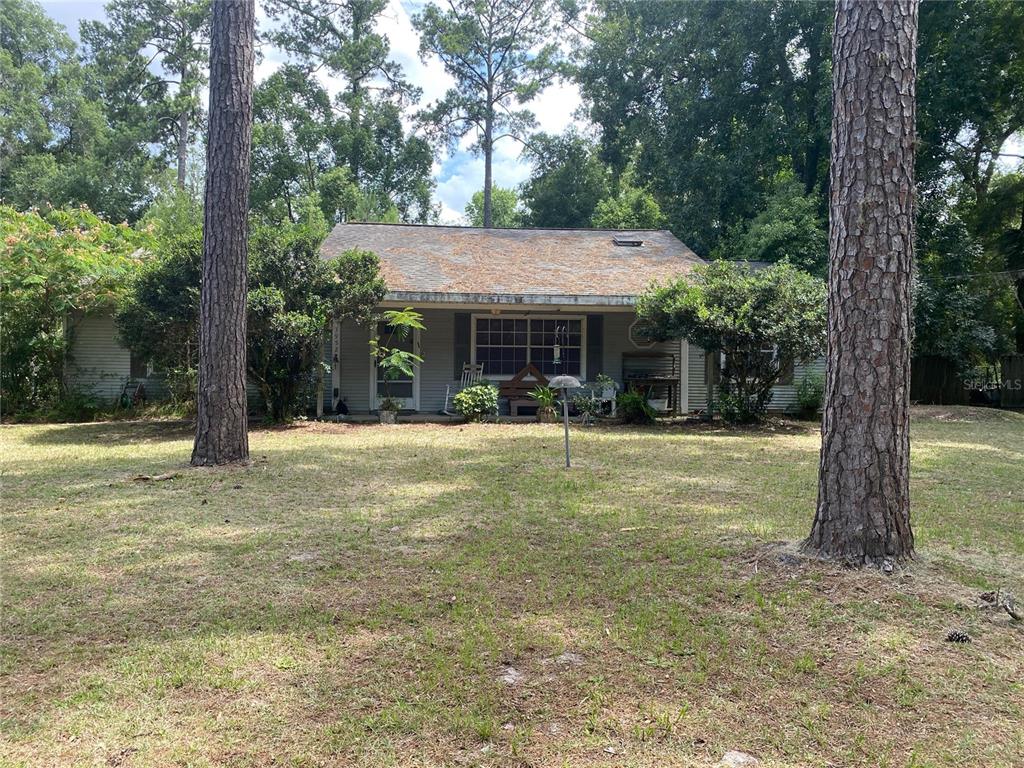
434,595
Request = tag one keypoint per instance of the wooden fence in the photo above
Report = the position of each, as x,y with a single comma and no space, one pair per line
1013,381
935,381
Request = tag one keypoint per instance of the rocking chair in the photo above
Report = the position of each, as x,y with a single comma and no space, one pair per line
472,374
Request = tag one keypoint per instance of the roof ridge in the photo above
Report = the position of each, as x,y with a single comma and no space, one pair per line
488,229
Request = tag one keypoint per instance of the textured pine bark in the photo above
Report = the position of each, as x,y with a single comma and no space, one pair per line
222,421
863,512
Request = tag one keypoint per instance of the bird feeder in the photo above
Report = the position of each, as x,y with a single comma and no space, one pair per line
565,383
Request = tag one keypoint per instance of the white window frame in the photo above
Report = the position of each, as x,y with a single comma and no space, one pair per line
527,316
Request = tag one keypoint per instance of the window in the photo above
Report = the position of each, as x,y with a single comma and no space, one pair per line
505,345
402,386
138,367
714,362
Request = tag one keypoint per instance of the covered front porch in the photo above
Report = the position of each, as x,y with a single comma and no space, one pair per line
554,337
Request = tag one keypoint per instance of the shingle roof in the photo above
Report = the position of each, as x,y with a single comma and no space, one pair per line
449,261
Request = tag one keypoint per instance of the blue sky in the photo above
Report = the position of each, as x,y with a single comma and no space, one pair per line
459,174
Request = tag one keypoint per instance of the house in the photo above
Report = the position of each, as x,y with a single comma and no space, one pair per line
561,300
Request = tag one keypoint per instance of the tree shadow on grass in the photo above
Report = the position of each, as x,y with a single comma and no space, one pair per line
109,433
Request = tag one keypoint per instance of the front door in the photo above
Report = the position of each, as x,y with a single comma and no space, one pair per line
405,389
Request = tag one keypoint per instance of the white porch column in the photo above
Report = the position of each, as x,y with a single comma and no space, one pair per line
684,376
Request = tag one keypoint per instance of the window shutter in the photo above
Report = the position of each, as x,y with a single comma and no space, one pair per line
462,353
712,367
786,371
595,346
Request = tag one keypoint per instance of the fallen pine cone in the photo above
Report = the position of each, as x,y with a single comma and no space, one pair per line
957,636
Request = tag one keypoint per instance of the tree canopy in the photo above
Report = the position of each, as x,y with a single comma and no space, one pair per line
567,182
506,209
55,263
502,55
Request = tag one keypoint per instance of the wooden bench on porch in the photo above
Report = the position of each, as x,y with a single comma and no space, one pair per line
517,389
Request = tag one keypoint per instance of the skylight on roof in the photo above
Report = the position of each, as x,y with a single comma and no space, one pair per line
630,241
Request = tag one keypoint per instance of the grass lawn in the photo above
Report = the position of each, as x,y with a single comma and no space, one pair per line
445,595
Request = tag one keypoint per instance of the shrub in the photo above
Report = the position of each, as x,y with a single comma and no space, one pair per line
586,406
74,407
477,401
737,408
634,408
293,294
761,322
53,263
810,393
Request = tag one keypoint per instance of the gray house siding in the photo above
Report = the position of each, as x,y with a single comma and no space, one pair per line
783,395
98,364
354,367
697,380
437,347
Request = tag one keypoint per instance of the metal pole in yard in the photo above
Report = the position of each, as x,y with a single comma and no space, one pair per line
565,383
565,420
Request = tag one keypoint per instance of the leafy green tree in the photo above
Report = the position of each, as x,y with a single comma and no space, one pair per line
293,294
789,228
56,144
505,209
719,97
501,56
999,222
962,312
54,263
36,62
150,59
970,102
364,132
292,124
158,316
760,322
631,208
567,181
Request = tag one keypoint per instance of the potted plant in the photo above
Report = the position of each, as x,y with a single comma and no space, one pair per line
546,398
608,386
393,361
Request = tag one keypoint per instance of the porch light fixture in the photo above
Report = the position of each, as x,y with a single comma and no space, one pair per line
565,383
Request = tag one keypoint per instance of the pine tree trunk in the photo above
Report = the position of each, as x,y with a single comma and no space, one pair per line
182,148
183,133
222,421
863,513
488,146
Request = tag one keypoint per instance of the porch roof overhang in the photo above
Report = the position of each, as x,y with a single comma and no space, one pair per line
514,300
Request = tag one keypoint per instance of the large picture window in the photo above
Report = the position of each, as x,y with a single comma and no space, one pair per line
506,344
